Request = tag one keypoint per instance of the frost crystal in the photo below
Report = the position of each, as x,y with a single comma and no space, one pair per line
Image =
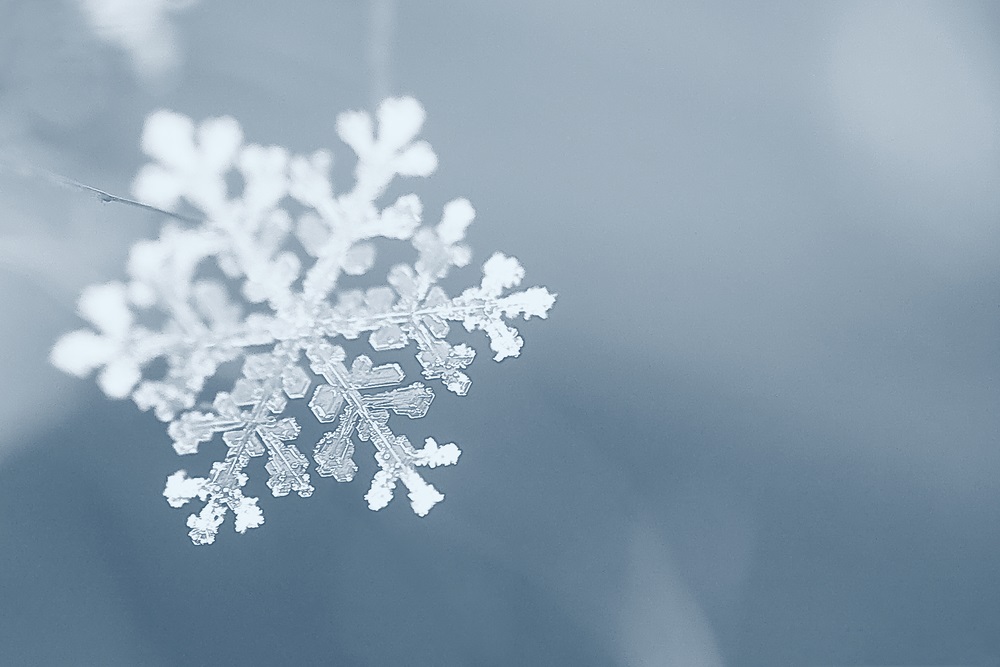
258,282
142,28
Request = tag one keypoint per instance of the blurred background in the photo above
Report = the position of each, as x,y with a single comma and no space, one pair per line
760,426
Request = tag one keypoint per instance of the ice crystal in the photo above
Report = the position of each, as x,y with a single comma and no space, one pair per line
142,28
258,281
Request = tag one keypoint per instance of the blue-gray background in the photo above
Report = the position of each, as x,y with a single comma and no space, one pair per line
759,428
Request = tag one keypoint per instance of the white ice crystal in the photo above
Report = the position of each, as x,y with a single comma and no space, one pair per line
258,281
142,28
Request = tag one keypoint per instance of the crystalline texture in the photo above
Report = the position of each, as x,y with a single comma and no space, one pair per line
255,283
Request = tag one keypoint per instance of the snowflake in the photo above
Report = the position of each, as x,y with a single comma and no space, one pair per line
257,282
142,28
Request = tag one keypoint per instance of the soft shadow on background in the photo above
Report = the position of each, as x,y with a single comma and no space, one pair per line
760,426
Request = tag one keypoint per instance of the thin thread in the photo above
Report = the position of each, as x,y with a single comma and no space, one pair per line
105,197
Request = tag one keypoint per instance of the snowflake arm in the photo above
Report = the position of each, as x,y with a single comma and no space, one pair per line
367,415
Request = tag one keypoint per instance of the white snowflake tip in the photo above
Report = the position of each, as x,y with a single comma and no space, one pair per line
219,140
458,215
248,515
145,263
433,455
119,377
141,294
400,220
504,341
205,525
380,493
106,307
501,272
180,488
141,28
359,259
532,302
417,160
423,496
80,352
167,136
399,121
355,129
